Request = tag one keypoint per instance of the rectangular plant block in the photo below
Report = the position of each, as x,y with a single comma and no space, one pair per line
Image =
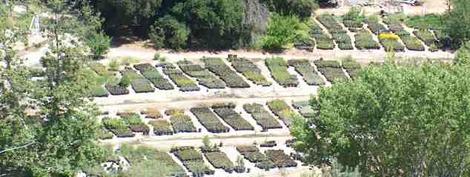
204,76
230,77
262,116
278,68
280,159
209,120
135,123
118,127
153,75
182,123
177,76
249,70
331,70
138,82
281,109
161,127
233,119
307,71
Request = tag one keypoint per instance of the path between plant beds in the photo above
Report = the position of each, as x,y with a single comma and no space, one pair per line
145,54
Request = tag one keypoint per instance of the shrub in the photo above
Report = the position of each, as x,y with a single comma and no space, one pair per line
351,66
209,120
99,44
390,44
353,19
204,76
374,25
282,30
230,77
305,68
169,32
412,43
261,116
278,68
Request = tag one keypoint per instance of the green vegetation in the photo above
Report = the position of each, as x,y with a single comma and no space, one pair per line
278,67
363,120
283,31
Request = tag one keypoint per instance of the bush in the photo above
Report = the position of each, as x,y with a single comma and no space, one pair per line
278,68
209,120
282,31
204,76
230,77
169,32
353,19
262,117
426,36
305,68
352,67
249,70
374,25
394,45
99,44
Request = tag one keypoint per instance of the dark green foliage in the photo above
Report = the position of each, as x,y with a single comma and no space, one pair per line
232,118
305,68
135,14
374,25
204,76
351,66
361,121
300,8
249,70
261,116
153,75
230,77
278,67
353,19
99,44
457,24
331,70
323,41
169,32
209,120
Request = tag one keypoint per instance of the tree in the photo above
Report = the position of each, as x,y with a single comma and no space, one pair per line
169,32
99,44
282,30
463,55
136,15
300,8
394,120
48,127
458,21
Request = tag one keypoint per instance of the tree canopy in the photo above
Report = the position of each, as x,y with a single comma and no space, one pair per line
393,120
